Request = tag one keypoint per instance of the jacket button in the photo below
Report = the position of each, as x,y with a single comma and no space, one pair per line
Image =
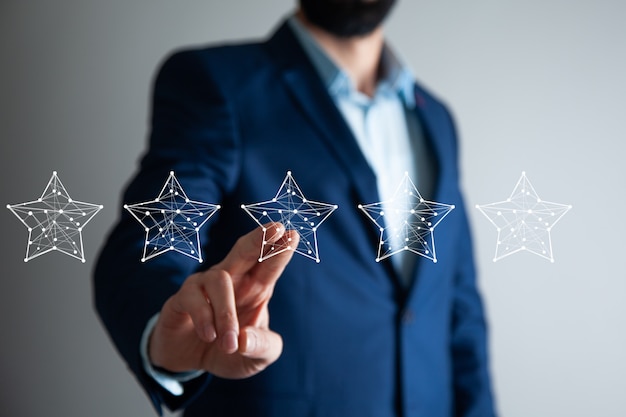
408,316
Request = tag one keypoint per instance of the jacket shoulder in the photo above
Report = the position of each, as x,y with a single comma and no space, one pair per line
225,60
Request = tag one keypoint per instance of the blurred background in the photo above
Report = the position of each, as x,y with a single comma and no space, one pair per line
536,86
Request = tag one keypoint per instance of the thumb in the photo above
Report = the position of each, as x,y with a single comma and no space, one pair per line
260,344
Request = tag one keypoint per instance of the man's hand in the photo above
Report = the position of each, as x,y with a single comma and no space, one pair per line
218,320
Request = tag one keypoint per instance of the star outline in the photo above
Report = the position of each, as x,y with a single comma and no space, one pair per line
304,211
522,203
422,234
61,228
177,233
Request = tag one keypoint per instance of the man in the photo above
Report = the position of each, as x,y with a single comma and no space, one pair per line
325,98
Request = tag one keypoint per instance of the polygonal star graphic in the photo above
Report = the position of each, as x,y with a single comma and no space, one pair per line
524,221
55,222
406,222
172,221
295,212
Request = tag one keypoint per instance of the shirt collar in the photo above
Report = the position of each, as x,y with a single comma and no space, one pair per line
397,77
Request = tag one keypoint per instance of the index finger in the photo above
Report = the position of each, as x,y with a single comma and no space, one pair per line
249,249
276,258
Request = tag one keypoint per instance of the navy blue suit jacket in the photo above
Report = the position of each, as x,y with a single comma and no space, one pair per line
231,121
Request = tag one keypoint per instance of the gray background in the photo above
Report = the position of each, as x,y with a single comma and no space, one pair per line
536,85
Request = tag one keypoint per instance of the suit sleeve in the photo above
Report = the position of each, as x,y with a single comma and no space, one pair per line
193,133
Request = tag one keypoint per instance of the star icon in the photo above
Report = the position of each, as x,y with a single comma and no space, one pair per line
291,208
172,221
406,222
524,221
55,221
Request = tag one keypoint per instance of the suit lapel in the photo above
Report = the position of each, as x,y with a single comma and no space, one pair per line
312,99
434,121
324,116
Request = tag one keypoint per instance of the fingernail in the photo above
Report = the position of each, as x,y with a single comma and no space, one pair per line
251,341
229,341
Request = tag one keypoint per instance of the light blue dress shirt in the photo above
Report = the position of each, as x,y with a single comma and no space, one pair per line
389,135
385,126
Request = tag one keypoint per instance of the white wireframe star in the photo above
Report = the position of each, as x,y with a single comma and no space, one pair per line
55,222
524,221
172,221
406,222
295,212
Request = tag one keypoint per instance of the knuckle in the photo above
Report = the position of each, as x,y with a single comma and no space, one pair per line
191,285
226,317
260,296
263,344
220,277
218,282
